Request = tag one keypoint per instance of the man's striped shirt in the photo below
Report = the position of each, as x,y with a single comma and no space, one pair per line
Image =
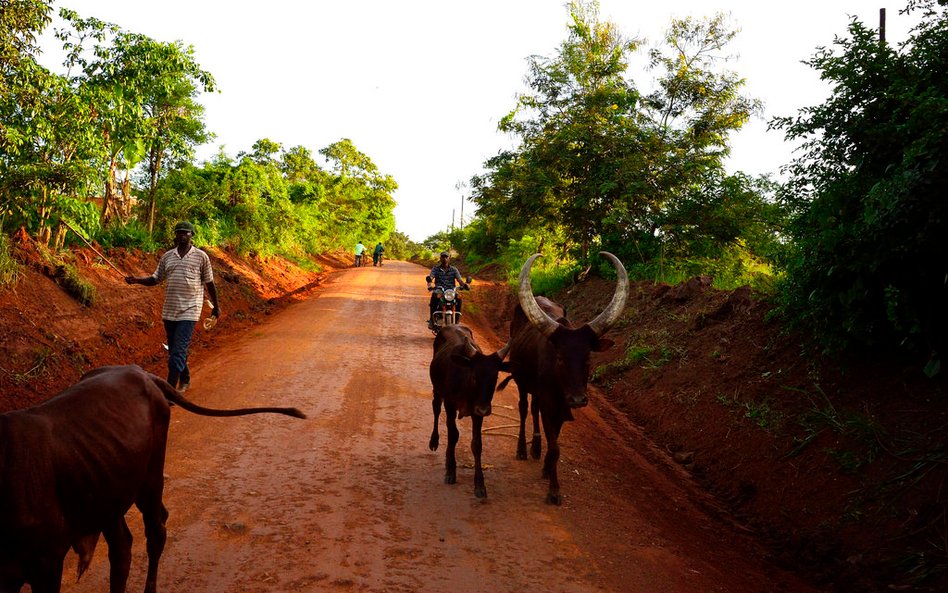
186,276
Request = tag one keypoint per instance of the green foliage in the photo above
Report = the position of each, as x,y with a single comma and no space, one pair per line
73,283
601,166
867,268
732,268
20,22
548,275
9,268
400,246
133,234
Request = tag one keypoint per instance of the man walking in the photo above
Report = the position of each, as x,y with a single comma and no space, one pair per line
188,272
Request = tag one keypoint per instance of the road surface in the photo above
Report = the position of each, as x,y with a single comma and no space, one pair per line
351,499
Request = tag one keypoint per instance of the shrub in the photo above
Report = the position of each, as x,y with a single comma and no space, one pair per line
9,268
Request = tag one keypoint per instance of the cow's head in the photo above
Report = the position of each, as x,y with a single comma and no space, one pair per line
572,346
484,371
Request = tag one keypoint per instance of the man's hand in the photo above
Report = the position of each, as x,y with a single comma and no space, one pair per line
216,312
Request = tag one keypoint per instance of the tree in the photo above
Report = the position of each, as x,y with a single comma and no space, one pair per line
264,151
143,94
20,21
867,268
49,152
174,117
598,162
577,121
298,165
360,196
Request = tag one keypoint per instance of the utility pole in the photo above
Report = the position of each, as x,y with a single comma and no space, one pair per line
881,26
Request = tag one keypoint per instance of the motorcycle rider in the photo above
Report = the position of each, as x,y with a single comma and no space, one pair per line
443,276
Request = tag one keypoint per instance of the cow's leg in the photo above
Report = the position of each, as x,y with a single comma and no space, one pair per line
154,516
450,463
436,412
522,437
47,574
535,447
480,490
119,539
552,430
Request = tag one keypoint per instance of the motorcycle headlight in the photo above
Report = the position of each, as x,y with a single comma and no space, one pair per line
449,294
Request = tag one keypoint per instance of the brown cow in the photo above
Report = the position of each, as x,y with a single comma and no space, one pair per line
549,359
463,378
70,469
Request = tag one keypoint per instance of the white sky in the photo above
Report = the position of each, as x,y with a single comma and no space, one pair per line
419,85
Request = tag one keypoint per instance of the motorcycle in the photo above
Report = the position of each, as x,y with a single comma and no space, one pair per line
446,312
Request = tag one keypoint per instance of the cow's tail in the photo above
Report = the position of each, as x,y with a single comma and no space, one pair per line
176,397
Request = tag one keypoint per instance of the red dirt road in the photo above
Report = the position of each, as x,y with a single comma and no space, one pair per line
351,499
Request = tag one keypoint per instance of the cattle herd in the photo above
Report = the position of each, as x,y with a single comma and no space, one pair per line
72,467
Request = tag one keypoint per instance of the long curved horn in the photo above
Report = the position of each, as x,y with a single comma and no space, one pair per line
537,316
469,348
608,318
502,353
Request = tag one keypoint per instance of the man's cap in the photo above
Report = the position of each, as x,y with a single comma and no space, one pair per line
445,254
184,226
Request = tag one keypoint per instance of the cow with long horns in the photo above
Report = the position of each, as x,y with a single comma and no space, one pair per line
549,359
463,379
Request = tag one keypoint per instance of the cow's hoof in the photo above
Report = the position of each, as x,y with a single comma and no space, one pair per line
522,453
535,450
433,443
450,479
554,499
480,492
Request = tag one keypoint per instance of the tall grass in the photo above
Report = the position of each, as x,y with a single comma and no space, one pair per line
9,268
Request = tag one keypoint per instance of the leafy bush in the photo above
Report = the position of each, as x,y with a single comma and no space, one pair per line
133,234
867,267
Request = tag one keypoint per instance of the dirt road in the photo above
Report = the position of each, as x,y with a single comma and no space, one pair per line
351,499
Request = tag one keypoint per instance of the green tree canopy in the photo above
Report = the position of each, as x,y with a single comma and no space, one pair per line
867,267
600,162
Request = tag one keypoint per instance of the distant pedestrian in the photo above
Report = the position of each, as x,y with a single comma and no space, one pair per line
188,272
360,250
377,255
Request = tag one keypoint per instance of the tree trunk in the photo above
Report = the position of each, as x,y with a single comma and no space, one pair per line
60,240
154,166
125,212
42,212
108,199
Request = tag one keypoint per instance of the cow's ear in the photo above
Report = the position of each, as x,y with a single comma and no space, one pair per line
461,360
603,344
